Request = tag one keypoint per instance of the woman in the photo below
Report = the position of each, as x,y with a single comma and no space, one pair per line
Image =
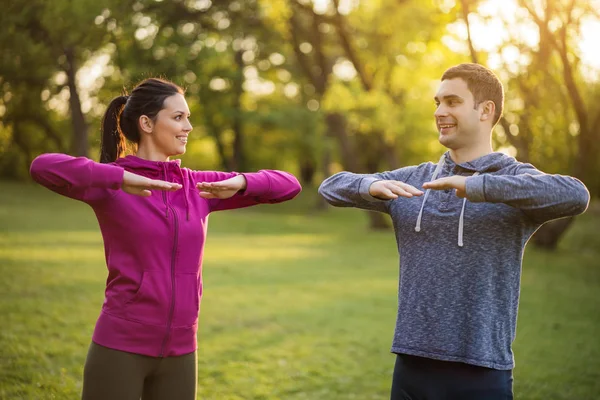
153,218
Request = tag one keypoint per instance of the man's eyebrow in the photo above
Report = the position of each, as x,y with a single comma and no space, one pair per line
448,97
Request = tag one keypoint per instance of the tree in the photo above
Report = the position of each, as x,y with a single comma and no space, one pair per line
44,45
551,124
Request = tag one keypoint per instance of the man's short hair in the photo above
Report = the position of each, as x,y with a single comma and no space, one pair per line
482,83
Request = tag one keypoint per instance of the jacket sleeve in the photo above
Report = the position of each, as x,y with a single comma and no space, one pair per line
263,187
77,177
542,197
346,189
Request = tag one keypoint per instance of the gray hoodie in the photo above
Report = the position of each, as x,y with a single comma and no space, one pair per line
460,260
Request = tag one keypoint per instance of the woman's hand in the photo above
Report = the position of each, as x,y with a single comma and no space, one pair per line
221,189
141,186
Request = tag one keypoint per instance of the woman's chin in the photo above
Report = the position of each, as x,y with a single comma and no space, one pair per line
180,150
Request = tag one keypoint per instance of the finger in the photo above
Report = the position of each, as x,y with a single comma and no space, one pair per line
388,194
413,190
209,190
162,185
207,195
143,193
409,188
399,191
205,185
221,186
437,184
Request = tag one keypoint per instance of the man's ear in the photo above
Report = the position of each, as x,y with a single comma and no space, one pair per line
146,124
488,109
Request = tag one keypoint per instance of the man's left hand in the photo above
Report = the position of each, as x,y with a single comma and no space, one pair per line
451,182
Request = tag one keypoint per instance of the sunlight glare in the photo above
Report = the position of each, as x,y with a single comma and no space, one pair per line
497,22
590,33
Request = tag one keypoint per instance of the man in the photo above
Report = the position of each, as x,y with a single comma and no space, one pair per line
461,244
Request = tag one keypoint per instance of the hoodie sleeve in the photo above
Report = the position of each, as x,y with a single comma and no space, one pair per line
346,189
264,186
76,177
542,197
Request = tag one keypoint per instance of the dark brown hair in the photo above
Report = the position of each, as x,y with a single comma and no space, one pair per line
120,120
482,83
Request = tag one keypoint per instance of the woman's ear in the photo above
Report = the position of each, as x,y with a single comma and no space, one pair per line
146,124
488,110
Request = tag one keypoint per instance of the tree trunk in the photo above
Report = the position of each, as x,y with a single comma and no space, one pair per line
239,158
548,236
22,143
307,171
336,128
213,130
80,143
325,165
465,14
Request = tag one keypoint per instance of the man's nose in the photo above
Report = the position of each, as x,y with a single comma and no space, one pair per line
440,111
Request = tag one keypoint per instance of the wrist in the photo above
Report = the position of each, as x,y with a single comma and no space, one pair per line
370,191
243,182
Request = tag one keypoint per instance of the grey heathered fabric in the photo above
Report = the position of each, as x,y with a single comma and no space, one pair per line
460,303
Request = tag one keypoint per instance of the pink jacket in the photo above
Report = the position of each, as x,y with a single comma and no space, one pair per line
153,245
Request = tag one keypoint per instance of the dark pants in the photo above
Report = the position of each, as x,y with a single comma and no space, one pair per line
116,375
418,378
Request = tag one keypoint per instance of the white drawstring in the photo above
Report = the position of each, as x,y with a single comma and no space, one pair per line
435,174
461,220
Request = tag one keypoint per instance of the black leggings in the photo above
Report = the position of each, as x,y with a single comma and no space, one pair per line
418,378
117,375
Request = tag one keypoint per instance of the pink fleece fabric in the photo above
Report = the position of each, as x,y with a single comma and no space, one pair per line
153,245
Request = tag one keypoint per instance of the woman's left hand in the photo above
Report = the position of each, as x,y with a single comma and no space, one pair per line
221,189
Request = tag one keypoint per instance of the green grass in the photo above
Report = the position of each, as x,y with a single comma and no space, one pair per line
298,304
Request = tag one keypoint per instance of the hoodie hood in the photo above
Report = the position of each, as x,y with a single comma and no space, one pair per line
160,170
147,167
488,163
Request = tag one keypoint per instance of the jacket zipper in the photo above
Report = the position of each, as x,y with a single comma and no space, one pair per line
172,309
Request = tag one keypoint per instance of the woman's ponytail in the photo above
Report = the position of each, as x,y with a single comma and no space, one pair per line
113,141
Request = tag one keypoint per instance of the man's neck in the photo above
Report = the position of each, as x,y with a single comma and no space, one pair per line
467,154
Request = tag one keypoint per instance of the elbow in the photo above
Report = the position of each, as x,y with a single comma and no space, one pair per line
326,193
295,189
322,190
583,200
288,190
37,168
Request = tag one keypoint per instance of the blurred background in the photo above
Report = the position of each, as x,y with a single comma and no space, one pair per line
308,86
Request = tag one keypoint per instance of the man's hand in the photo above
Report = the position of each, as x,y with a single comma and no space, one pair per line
451,182
387,190
222,189
141,186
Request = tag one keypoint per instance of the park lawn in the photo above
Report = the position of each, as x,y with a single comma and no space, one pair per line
298,304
